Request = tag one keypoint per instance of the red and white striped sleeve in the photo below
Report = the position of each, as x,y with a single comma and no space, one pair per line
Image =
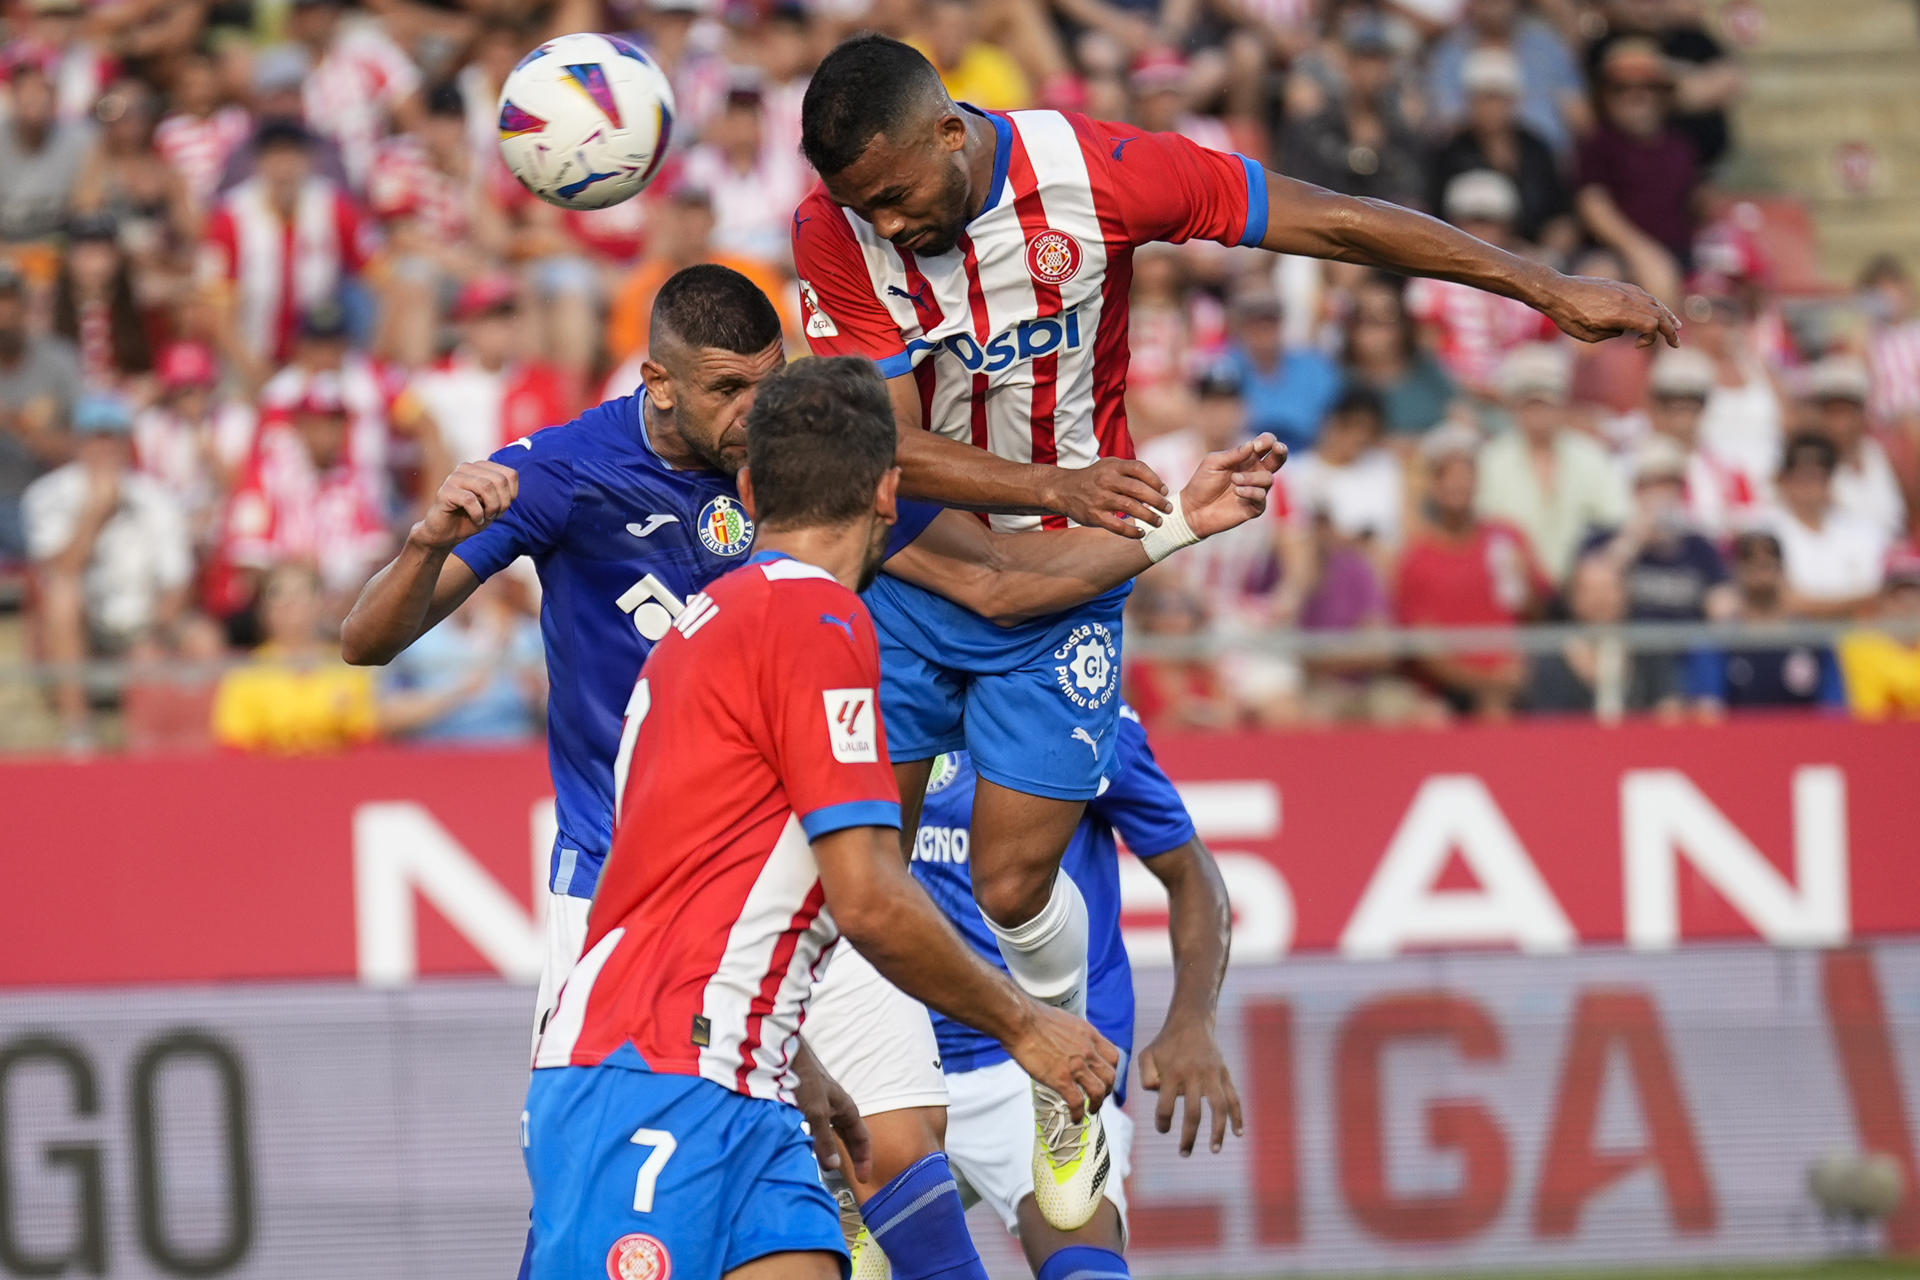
839,310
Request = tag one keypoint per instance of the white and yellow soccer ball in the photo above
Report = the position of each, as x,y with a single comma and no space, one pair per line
585,121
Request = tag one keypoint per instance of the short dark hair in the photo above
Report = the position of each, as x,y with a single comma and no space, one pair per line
819,438
1362,400
708,305
1809,446
1745,544
868,87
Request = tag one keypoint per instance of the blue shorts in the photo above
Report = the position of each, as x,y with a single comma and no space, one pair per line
1036,704
737,1180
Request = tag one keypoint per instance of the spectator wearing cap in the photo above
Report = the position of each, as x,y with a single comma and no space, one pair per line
94,306
1744,418
1352,480
41,156
1635,176
279,80
1550,95
680,225
301,500
1834,557
1864,483
1361,143
1492,136
754,188
362,86
1707,81
39,382
189,440
1383,353
1552,481
485,394
972,69
111,554
1670,570
1471,329
1572,680
1288,389
1754,676
1882,669
1461,569
1892,307
200,131
283,241
1718,495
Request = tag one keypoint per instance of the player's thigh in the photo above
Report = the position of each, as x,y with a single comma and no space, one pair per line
874,1038
1043,723
1015,850
637,1176
566,938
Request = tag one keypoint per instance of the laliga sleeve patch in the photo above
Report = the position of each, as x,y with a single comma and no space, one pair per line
818,323
639,1257
851,720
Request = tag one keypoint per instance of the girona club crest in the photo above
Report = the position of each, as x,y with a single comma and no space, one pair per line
1053,257
639,1257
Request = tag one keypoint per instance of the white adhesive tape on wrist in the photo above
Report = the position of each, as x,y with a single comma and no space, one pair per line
1172,534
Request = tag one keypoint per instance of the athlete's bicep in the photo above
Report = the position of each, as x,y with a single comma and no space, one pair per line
840,312
952,557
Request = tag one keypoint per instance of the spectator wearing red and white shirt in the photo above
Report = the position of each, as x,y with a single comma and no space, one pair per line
200,135
284,240
430,176
1470,329
323,353
480,397
1464,571
1893,346
189,439
1865,482
754,184
1721,498
363,85
301,500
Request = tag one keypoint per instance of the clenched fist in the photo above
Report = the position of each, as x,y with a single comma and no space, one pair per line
469,500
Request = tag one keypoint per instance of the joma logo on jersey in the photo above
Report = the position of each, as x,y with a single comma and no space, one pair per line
1028,340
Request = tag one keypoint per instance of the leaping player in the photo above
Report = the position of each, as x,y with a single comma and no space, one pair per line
983,261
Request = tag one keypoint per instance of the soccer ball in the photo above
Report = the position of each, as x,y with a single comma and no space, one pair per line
585,120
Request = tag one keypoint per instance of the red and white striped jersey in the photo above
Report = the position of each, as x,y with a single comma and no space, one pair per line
1017,337
279,266
753,731
1893,357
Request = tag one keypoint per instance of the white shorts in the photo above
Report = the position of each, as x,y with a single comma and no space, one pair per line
873,1038
990,1140
566,939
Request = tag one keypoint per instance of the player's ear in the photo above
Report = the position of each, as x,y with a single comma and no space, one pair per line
659,384
952,131
886,500
744,482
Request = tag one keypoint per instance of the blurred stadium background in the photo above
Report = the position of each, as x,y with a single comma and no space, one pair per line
1557,733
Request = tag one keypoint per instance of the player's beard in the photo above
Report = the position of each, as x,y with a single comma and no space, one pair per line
943,238
876,553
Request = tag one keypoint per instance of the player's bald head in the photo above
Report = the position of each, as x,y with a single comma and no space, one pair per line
869,87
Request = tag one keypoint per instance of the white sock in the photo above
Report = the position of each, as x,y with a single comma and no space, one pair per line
1048,954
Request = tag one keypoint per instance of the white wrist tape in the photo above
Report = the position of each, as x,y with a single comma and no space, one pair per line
1170,535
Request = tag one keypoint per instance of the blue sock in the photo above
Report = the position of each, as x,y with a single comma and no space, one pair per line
920,1225
1084,1262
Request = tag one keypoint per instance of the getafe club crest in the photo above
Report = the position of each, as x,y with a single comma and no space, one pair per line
724,527
946,767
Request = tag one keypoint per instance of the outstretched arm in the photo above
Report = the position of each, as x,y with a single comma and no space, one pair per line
1309,220
1011,576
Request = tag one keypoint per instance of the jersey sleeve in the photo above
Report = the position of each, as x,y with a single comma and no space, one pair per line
538,514
822,690
913,521
839,310
1169,188
1141,802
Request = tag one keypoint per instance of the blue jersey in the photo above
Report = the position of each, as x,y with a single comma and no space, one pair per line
620,539
1139,803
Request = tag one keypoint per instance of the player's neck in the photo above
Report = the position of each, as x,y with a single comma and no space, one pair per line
983,149
840,549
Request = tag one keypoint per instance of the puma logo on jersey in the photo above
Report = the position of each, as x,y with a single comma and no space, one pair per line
919,297
1081,735
652,524
1119,145
845,624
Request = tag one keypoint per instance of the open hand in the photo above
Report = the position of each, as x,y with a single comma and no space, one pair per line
1231,487
1184,1061
1593,309
469,500
1120,495
1067,1055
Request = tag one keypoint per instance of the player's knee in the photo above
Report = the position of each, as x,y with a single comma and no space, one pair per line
1013,895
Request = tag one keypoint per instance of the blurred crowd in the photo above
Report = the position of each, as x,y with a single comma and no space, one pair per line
263,281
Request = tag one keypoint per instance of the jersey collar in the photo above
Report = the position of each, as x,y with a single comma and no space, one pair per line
763,557
1002,152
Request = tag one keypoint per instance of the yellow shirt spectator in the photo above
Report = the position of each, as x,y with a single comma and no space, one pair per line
295,707
985,76
1883,676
